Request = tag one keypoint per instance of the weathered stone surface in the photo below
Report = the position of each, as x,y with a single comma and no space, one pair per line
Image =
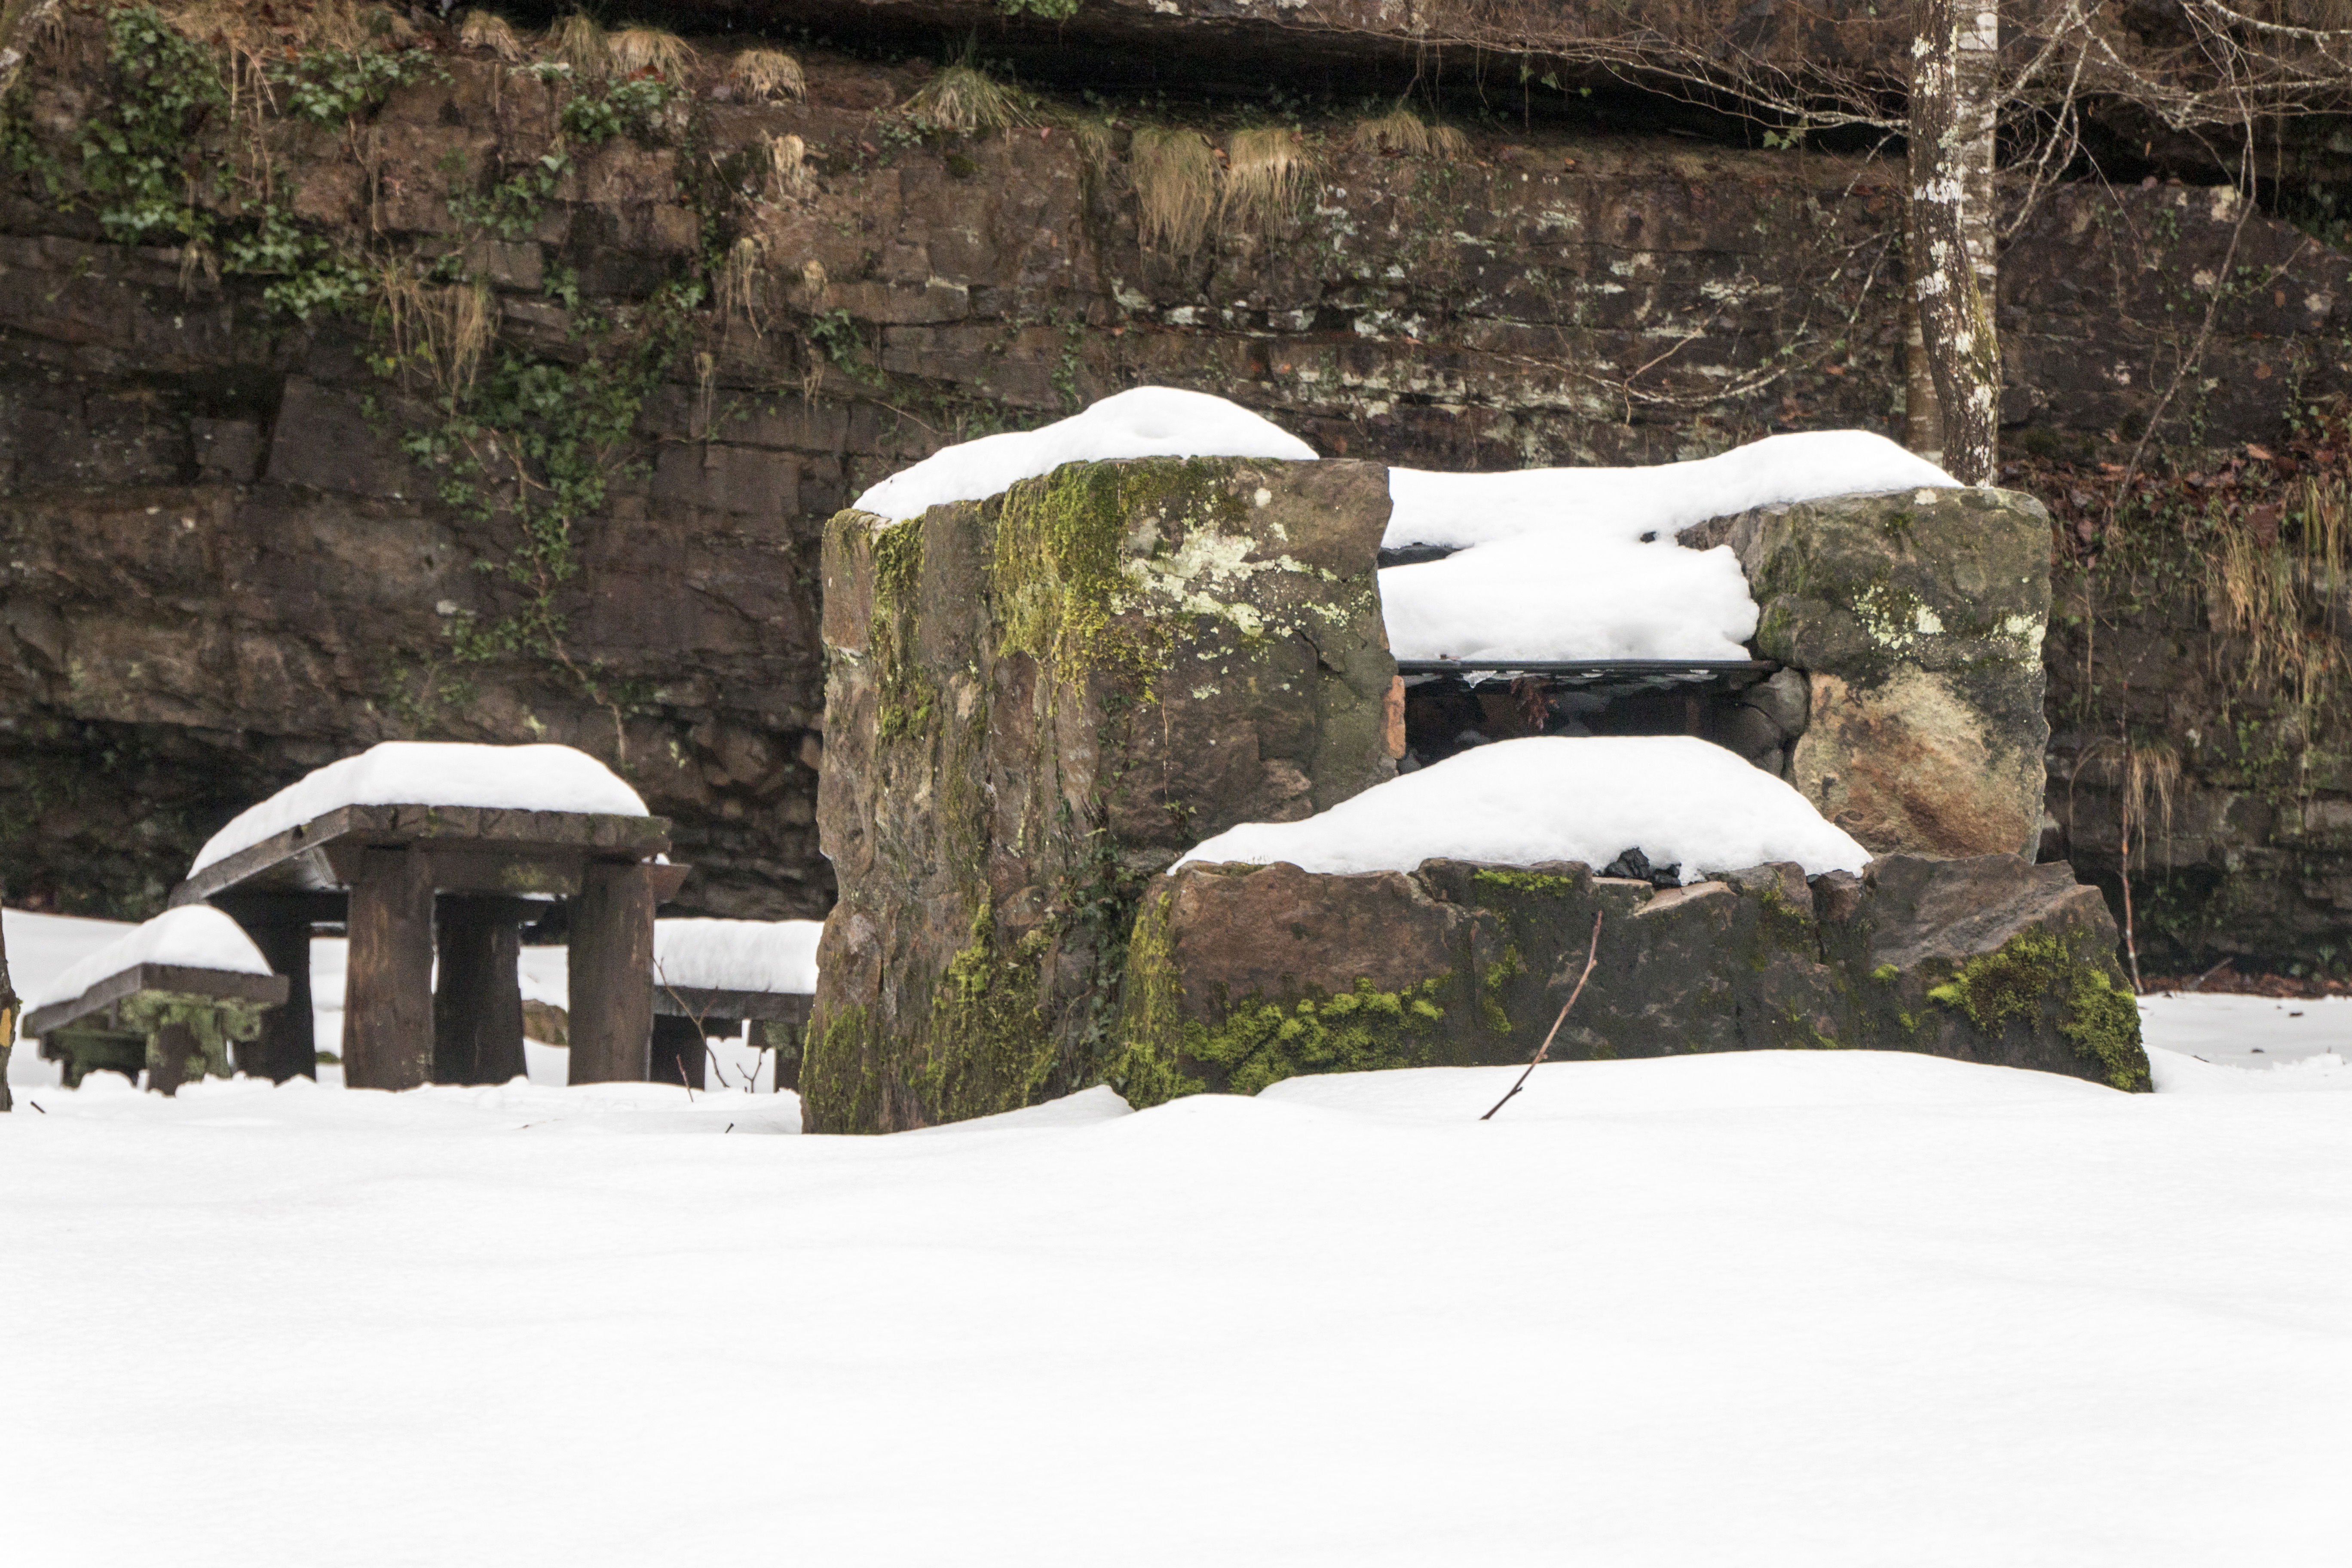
1035,703
1919,617
1241,975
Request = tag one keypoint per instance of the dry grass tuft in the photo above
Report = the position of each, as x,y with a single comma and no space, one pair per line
2284,596
767,76
786,175
488,30
579,42
439,333
1401,134
639,51
1175,174
1268,174
965,99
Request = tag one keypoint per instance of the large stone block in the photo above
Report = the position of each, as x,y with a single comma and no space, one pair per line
1918,616
1239,977
1034,705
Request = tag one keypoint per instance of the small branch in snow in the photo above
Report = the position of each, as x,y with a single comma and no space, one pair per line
1591,956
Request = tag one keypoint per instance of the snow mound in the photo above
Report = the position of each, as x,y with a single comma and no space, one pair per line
196,937
433,773
1463,510
736,955
1569,595
1148,422
1582,564
1678,800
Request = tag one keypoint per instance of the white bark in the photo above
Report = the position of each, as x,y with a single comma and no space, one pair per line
1954,268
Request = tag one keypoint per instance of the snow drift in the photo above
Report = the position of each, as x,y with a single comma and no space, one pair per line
1148,422
1522,802
433,773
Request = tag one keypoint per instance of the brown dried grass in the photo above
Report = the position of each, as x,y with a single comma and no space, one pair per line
965,99
579,42
637,51
489,31
767,76
1268,174
440,332
1175,175
1402,134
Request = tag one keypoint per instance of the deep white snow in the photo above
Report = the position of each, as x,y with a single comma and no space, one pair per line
1582,564
738,955
433,773
1828,1310
1680,801
1463,509
1147,422
195,937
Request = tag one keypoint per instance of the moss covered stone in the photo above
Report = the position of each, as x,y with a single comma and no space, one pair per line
1034,704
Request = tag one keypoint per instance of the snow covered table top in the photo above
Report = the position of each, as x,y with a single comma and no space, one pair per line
498,819
196,952
735,969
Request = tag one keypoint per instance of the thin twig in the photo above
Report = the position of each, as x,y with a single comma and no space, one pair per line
1591,956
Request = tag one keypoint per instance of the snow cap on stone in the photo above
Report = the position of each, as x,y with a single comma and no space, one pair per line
1148,422
197,936
1679,799
434,772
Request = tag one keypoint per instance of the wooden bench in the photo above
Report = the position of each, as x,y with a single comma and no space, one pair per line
685,1016
173,1021
413,881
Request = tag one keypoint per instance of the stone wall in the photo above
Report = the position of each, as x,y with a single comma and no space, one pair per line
1564,294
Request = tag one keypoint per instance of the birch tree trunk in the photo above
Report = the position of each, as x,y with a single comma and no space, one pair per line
1954,271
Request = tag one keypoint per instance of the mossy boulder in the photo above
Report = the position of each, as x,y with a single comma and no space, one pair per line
1918,618
1034,705
1240,975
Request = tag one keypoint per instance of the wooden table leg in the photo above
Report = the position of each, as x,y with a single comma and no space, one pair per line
388,992
287,1046
679,1052
611,958
478,1002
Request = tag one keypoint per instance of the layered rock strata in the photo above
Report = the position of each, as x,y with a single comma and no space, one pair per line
1241,976
1034,704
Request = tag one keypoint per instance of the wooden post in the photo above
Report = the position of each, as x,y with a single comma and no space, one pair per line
287,1046
169,1053
612,954
679,1052
477,1001
388,994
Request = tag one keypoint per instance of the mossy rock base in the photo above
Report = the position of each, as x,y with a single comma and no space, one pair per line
1240,975
1034,705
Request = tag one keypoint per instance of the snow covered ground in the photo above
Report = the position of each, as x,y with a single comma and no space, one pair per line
1807,1308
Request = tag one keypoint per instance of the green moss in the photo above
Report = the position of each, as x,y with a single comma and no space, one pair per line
909,698
1885,975
841,1088
2102,1023
986,1047
2038,967
1146,1070
1528,884
1057,571
1363,1030
1509,967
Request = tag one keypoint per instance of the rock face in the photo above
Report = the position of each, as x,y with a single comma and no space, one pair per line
1034,704
1239,977
1918,618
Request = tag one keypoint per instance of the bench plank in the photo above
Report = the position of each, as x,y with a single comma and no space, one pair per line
269,989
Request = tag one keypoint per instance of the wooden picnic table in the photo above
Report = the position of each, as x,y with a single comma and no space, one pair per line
95,1030
409,881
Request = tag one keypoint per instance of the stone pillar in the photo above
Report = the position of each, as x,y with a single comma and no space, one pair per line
388,991
477,1001
171,1053
287,1046
1917,616
612,961
1036,702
